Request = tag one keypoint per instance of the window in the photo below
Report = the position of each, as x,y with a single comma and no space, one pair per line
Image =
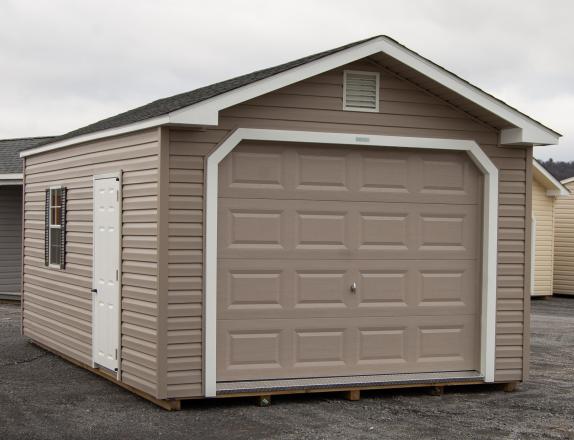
55,233
361,91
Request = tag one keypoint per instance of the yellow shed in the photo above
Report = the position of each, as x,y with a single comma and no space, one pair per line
564,240
547,192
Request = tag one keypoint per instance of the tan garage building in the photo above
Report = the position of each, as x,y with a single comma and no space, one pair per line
545,191
358,218
564,241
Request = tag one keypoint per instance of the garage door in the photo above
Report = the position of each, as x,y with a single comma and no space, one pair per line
337,261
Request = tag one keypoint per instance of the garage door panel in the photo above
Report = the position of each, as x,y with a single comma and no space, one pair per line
346,261
333,346
252,228
292,289
277,171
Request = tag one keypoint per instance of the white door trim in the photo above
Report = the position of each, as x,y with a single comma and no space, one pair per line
114,175
490,227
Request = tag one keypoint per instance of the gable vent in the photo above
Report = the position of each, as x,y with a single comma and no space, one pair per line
361,91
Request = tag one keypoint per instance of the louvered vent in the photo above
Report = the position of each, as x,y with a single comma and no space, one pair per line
361,91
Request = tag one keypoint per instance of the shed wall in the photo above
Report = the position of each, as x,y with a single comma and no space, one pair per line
543,212
10,241
185,269
57,306
564,243
316,105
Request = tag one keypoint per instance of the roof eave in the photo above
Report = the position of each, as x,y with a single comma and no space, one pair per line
523,130
11,179
553,186
524,136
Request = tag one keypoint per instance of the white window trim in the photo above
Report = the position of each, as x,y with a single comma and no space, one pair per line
50,227
377,76
490,228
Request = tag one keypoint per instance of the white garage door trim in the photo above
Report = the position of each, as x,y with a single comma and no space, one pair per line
490,227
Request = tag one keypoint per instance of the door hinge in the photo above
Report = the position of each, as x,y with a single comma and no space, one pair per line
117,275
116,354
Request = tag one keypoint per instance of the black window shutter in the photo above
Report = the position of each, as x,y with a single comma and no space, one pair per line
47,229
63,230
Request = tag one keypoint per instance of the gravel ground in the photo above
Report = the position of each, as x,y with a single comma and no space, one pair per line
44,397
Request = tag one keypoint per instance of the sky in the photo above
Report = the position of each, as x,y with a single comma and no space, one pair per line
65,64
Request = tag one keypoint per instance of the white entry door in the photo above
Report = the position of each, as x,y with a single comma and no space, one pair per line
106,272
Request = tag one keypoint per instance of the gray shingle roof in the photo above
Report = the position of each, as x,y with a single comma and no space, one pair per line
10,162
167,105
176,102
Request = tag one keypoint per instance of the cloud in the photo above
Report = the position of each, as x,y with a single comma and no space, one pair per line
68,63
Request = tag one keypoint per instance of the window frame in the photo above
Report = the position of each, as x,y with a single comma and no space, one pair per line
50,226
377,76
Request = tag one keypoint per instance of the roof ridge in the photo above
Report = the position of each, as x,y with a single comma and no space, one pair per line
164,106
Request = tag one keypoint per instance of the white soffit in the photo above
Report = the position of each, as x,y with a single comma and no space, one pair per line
11,179
548,181
525,131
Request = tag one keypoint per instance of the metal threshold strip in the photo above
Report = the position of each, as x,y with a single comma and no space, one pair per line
347,381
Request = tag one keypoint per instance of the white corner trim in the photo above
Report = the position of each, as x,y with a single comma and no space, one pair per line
525,131
553,186
490,227
533,256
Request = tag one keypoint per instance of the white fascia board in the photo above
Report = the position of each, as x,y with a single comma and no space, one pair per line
553,186
206,113
148,123
11,179
12,176
527,131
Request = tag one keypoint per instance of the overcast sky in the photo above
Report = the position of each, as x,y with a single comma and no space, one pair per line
65,64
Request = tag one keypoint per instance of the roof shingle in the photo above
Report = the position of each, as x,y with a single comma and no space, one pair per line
170,104
167,105
10,161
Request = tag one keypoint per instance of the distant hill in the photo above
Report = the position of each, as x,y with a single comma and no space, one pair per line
560,170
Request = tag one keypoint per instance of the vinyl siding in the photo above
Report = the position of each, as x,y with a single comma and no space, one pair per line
564,243
185,269
543,212
57,303
405,110
10,240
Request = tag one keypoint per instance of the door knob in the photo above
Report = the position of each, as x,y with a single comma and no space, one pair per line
354,288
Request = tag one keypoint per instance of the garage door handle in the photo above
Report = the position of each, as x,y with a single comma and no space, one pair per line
354,288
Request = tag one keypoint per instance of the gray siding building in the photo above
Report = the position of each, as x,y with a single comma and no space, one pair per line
11,214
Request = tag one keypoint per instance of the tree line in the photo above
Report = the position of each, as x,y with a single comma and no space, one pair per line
559,169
